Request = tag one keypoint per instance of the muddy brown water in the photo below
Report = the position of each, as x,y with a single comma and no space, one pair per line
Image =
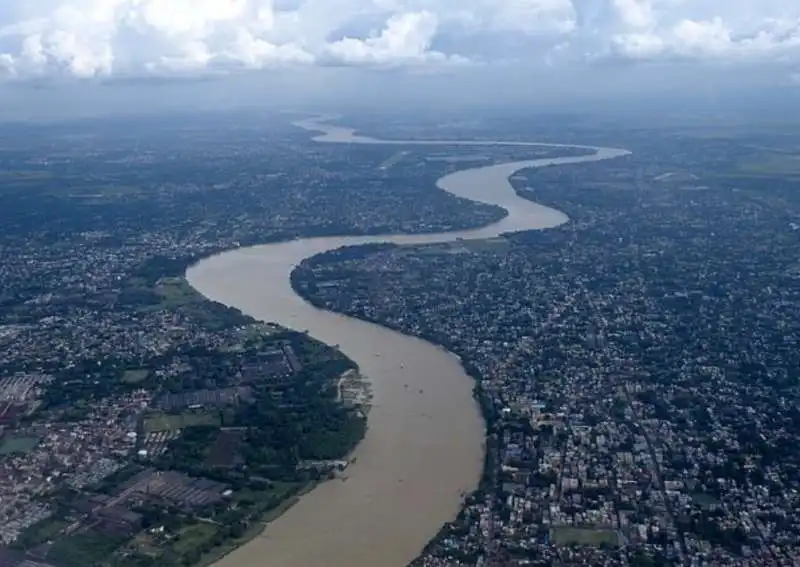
424,445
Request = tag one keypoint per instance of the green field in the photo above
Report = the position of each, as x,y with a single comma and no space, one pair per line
569,535
704,500
82,549
202,542
134,376
783,164
193,537
279,491
176,292
156,422
166,293
771,164
42,532
17,445
290,491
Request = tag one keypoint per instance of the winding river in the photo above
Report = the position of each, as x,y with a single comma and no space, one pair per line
425,442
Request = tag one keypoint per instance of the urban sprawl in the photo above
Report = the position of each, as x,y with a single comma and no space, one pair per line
637,367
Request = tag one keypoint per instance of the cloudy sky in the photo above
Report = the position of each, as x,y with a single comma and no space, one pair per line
165,38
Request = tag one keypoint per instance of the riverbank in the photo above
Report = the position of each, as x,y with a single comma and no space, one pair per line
219,553
424,446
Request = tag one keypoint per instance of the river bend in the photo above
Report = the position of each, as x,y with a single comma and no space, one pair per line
424,445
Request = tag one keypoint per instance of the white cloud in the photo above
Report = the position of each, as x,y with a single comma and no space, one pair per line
406,39
88,38
706,29
634,13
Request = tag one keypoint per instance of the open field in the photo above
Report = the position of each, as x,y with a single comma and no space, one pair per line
17,445
773,163
175,292
193,537
569,535
280,490
82,549
170,422
41,532
134,376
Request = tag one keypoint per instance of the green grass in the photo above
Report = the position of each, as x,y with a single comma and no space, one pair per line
257,528
135,376
18,445
278,490
569,535
82,549
170,422
42,532
176,292
172,293
193,537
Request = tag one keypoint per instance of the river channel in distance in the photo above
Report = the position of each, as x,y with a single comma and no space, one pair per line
424,445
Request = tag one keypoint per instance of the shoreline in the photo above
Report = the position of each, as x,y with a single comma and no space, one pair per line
468,183
257,530
477,392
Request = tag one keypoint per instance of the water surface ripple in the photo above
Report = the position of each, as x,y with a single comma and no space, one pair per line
425,441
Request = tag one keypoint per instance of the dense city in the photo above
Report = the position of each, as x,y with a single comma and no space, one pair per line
141,424
637,366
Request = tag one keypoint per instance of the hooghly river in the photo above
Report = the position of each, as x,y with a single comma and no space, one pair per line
425,440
